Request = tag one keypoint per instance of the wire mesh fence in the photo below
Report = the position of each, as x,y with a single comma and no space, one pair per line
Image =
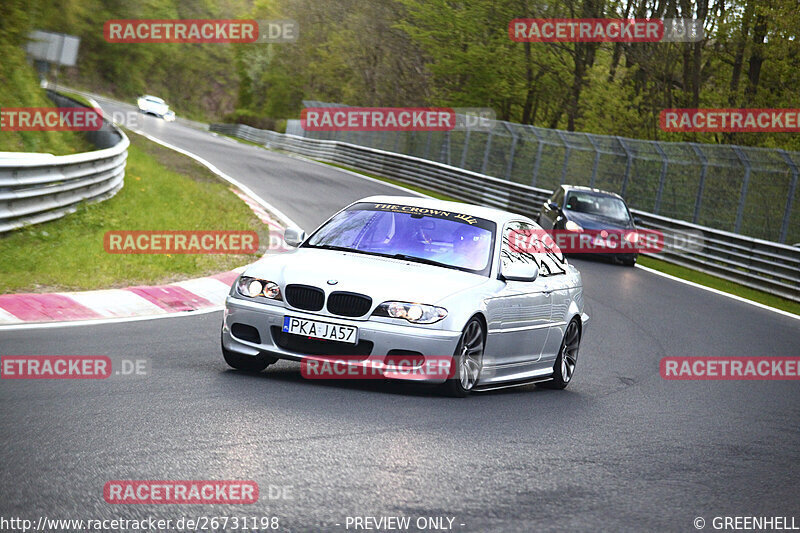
745,190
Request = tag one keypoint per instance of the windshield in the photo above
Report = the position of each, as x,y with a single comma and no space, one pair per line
424,235
597,204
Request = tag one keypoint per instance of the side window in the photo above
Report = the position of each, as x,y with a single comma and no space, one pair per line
550,260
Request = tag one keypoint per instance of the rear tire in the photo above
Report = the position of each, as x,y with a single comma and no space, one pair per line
468,360
564,367
629,261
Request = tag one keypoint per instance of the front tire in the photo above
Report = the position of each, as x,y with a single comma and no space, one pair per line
468,359
564,368
247,363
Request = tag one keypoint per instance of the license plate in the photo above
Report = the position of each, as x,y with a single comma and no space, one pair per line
320,330
600,242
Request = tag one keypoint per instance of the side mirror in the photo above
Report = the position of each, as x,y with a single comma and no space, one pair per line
637,221
554,206
294,236
519,272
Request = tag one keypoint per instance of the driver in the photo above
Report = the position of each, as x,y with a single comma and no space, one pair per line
469,246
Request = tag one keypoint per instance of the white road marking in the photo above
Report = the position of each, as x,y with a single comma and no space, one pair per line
245,189
721,293
71,323
115,302
362,176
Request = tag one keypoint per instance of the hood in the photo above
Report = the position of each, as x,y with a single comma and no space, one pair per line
380,278
596,222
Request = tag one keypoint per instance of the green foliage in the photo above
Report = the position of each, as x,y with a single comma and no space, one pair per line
440,52
195,79
19,87
251,118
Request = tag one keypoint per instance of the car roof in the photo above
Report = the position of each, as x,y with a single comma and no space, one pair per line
489,213
568,188
151,97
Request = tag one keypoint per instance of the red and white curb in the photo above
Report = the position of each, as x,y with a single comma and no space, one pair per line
190,295
200,294
275,227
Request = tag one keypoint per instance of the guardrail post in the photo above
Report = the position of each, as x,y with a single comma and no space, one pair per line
538,155
792,188
397,136
567,150
486,151
701,186
427,146
513,149
596,158
628,165
745,182
464,151
662,179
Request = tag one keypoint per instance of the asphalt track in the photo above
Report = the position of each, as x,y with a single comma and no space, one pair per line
620,450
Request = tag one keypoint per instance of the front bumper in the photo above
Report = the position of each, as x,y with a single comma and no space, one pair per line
268,319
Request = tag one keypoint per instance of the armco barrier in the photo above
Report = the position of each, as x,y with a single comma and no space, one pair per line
36,188
740,189
763,265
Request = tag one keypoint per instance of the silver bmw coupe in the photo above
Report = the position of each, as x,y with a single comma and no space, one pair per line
416,278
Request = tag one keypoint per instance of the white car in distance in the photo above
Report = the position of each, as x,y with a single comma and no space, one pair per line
153,105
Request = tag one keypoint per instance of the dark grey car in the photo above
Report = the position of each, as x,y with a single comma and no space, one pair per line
577,208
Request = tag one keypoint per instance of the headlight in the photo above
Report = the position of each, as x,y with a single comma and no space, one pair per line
632,237
572,226
415,313
253,287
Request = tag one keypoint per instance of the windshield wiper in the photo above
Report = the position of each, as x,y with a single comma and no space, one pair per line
420,260
404,257
342,249
332,247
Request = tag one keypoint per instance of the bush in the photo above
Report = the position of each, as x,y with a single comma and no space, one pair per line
251,118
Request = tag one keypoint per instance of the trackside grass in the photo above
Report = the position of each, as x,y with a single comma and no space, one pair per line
163,190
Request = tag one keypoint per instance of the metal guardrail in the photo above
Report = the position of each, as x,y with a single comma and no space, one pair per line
36,188
741,189
763,265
